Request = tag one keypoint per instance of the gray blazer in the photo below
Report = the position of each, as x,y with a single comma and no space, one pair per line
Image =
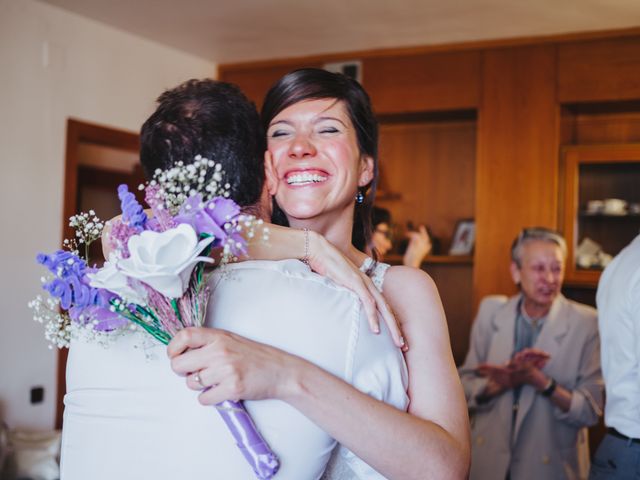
546,443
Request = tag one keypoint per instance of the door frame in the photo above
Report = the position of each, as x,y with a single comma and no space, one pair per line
79,132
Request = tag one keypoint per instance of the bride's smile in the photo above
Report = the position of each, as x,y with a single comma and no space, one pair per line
305,177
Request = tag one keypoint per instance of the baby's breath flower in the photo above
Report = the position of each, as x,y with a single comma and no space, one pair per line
88,228
181,182
57,326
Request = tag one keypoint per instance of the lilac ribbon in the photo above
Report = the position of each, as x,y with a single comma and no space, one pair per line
264,462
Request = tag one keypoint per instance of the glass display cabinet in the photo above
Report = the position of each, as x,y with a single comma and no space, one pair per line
601,206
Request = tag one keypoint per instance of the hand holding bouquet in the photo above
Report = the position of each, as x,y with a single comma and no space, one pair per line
154,277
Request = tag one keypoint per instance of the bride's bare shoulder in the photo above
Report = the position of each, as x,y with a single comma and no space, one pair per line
403,278
413,294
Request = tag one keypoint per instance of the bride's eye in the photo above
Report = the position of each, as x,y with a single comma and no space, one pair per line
329,129
278,133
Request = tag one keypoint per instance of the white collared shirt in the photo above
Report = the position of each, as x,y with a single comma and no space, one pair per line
618,301
131,417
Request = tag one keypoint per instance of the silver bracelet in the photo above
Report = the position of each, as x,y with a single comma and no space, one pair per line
305,259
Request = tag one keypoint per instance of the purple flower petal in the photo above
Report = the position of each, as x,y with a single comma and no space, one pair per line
224,210
206,220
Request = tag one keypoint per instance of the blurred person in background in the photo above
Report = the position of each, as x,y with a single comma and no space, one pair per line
618,300
418,246
532,375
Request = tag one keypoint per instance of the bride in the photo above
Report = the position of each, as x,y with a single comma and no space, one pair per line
322,151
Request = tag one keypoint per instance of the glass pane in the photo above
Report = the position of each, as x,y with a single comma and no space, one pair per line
609,211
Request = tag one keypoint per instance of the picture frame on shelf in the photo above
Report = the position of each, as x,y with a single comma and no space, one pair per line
464,237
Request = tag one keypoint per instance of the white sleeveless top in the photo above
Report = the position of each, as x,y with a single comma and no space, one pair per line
375,270
344,465
129,417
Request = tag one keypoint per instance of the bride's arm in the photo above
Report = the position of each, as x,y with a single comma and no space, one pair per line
430,441
325,259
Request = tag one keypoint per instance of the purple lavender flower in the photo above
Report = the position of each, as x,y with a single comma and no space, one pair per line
132,212
60,259
82,294
61,289
70,283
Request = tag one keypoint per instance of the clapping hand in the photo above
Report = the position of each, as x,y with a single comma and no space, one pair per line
498,374
531,358
523,368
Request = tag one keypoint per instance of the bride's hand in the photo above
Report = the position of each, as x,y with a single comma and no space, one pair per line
225,366
327,260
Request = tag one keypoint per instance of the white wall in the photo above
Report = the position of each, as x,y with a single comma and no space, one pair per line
55,65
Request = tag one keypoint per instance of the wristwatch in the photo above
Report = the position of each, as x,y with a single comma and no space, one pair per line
550,388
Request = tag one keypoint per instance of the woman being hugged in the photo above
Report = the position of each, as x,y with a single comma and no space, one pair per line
322,152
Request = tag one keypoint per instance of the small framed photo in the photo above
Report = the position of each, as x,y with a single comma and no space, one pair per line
464,238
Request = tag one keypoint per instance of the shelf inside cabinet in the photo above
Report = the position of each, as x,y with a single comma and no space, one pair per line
453,259
609,216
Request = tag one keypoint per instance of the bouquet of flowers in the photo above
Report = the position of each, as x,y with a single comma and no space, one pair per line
154,277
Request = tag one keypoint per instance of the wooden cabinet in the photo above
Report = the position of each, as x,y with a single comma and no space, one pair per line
601,205
441,81
427,176
517,158
599,70
427,173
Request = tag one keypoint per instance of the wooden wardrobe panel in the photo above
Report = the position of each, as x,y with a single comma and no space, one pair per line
432,167
607,128
454,284
517,158
599,70
420,83
256,81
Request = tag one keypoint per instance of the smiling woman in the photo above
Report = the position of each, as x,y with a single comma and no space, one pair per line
319,123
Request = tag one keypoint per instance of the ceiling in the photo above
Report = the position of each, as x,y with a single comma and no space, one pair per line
240,30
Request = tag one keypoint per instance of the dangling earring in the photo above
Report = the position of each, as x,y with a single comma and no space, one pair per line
359,197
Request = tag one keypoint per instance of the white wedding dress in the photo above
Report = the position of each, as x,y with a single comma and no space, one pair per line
343,464
128,416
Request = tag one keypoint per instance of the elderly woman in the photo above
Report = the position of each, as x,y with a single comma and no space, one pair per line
532,375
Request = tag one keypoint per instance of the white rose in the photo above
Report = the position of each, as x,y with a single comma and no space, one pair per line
113,280
165,260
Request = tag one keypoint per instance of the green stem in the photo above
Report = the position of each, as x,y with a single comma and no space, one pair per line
162,336
149,313
174,304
